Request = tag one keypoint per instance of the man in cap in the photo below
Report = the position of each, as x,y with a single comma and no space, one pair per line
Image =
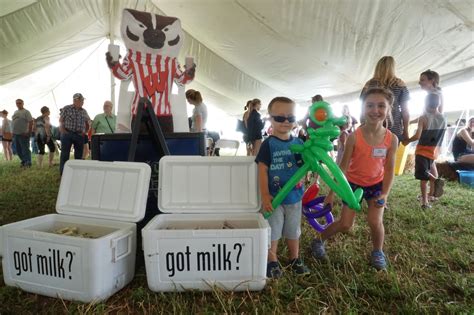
22,125
73,125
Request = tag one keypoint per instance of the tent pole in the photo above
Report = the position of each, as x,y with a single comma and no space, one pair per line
111,38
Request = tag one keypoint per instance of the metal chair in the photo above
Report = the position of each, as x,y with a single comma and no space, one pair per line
209,146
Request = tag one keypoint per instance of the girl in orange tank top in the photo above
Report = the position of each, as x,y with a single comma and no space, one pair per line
366,166
368,162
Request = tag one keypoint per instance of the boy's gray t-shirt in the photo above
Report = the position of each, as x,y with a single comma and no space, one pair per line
20,120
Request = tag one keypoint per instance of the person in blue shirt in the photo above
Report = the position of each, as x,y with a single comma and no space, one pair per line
276,165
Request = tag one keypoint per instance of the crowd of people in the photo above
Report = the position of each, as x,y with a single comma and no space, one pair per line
383,126
24,134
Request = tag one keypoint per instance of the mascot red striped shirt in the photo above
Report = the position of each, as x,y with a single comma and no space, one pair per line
153,42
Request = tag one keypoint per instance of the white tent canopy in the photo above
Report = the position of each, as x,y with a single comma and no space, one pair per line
250,48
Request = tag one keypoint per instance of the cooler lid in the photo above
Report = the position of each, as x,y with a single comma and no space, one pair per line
105,190
197,184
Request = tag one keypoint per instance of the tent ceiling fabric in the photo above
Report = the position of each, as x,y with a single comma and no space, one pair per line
248,48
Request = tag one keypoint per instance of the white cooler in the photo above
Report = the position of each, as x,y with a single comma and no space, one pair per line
101,200
214,235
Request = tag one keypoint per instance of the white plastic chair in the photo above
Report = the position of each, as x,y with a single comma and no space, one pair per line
227,144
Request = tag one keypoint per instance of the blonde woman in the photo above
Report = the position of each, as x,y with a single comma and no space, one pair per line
384,77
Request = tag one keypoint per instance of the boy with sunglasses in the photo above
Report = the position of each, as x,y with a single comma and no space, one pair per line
276,165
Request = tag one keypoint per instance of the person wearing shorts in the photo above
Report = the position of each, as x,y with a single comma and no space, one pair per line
422,167
276,165
430,134
368,162
370,192
43,135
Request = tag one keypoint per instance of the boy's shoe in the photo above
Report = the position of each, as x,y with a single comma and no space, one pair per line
273,270
298,267
438,187
317,249
377,259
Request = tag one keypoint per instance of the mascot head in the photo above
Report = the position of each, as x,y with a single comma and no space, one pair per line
151,33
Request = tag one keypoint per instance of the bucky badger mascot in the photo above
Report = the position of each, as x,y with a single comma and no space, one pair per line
153,42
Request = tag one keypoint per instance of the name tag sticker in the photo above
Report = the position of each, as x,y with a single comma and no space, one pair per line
379,152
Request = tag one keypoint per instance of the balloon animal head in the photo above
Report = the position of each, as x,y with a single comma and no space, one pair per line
321,114
151,33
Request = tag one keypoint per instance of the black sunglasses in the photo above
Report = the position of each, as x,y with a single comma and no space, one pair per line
280,119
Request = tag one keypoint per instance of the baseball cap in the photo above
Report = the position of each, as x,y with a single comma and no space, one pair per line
77,96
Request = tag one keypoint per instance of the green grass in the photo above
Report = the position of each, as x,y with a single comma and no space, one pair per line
431,255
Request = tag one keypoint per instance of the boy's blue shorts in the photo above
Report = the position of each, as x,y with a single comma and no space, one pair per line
370,192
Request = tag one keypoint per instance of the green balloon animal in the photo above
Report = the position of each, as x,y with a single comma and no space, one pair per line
315,153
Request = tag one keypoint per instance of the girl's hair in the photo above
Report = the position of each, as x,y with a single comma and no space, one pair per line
386,93
254,103
281,99
44,109
194,95
432,76
247,109
248,105
385,72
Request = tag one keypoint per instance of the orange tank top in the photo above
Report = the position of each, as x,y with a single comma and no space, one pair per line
366,167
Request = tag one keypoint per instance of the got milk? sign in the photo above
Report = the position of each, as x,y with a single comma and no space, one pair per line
204,259
51,264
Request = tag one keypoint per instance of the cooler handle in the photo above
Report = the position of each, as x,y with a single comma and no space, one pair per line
115,256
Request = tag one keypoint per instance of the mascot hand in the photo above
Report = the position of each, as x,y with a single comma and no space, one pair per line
110,62
191,71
